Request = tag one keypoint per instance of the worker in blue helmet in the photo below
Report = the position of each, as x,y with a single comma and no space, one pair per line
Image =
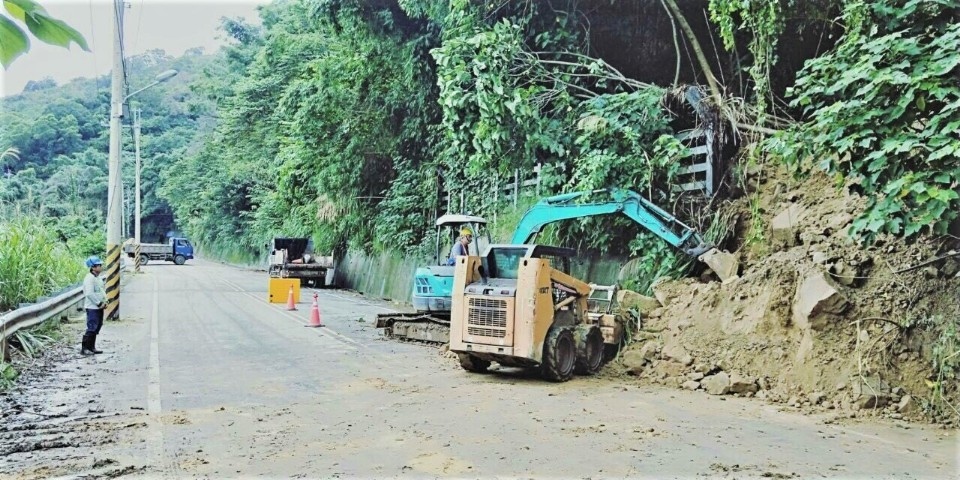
94,301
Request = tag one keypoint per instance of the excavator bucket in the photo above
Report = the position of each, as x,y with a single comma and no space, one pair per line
724,264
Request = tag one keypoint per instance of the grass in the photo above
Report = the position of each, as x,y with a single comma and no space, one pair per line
33,262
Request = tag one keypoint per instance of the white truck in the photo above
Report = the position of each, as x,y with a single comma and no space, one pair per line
294,258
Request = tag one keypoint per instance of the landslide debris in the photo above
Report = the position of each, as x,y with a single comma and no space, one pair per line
816,321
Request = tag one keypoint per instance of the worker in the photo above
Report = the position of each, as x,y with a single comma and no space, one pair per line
94,301
462,247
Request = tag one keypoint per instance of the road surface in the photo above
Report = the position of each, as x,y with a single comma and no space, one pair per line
204,378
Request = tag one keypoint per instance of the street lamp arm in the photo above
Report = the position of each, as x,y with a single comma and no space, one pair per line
163,77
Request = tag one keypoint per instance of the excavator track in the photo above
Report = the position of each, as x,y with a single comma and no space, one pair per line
415,327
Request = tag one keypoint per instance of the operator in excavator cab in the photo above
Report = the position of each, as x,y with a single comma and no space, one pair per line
462,247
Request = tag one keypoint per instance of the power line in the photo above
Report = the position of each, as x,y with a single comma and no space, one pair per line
136,38
93,41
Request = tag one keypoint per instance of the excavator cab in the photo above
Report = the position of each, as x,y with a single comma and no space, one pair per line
432,284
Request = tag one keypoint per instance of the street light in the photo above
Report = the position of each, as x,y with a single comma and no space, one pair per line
114,210
163,77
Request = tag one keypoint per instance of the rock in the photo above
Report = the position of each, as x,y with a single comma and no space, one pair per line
663,296
816,299
674,351
691,385
649,351
816,398
819,258
629,299
718,384
644,336
672,369
784,226
931,272
696,376
907,405
634,361
793,401
763,383
870,392
741,384
724,264
845,274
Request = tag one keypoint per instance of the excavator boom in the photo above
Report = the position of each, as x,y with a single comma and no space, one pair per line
633,205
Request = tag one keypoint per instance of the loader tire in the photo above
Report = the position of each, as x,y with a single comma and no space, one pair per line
559,355
590,349
473,364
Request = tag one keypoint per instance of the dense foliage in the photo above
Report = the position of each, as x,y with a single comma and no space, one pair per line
357,123
883,113
33,262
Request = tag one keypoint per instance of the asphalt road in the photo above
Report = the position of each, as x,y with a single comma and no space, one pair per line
204,378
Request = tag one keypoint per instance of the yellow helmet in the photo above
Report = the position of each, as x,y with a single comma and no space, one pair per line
466,231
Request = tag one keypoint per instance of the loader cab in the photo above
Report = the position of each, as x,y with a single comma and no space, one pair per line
432,285
503,261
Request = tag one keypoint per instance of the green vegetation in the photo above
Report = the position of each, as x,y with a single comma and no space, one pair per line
883,113
352,121
33,262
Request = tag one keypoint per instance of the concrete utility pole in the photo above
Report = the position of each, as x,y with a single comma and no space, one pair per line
136,143
136,222
112,281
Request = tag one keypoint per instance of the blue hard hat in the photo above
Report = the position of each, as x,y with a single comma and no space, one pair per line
94,260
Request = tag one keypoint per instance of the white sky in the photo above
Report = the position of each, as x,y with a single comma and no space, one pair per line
172,25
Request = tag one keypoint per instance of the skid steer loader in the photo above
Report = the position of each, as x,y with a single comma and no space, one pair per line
517,306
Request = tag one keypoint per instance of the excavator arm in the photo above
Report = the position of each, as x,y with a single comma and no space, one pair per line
639,209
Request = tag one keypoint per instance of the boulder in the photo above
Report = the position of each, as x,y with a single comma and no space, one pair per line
659,291
634,361
691,385
907,405
718,384
742,385
675,352
649,351
845,274
815,300
783,227
629,299
724,264
870,392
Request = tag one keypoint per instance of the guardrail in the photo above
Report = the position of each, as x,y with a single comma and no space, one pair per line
33,315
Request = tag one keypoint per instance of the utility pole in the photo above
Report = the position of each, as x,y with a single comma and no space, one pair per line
136,143
136,222
112,281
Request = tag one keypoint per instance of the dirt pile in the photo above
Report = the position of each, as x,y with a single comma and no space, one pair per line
815,320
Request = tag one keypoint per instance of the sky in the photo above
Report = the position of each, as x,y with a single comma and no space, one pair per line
172,25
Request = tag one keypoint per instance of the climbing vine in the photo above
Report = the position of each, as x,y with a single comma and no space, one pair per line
763,20
883,115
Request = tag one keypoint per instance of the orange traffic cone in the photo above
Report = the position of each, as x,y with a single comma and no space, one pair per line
290,303
315,314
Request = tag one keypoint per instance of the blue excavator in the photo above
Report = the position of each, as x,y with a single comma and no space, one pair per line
433,285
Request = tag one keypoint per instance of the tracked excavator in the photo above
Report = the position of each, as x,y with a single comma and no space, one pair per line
432,325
